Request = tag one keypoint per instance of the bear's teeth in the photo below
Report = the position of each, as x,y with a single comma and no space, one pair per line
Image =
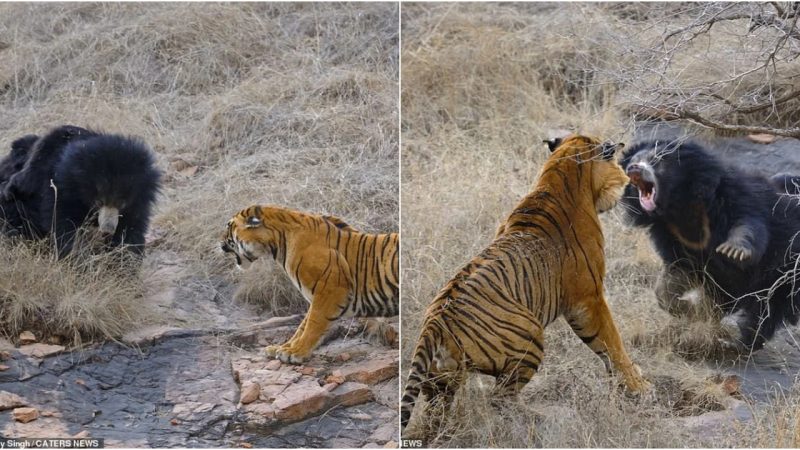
647,201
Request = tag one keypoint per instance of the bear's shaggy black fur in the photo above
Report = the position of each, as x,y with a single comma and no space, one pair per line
108,181
15,160
32,159
42,154
15,219
721,227
103,173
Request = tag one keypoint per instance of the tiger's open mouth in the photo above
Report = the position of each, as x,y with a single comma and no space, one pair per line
642,177
227,248
243,257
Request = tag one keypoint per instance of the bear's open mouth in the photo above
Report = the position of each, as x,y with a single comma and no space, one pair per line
642,177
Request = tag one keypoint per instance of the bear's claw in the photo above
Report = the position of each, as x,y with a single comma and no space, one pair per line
735,251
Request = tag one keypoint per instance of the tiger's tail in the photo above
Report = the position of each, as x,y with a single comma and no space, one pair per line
427,347
420,365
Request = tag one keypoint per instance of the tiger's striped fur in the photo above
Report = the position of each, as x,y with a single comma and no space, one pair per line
545,261
341,271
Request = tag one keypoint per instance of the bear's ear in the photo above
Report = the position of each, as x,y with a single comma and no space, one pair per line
608,149
253,222
553,144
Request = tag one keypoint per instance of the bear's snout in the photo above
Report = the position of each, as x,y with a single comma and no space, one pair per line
108,219
640,174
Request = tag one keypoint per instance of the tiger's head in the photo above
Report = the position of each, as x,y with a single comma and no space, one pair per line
249,236
583,153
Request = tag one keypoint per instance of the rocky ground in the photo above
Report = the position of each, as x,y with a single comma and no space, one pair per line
742,392
178,387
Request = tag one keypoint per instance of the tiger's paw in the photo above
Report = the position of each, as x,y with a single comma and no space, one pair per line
289,357
637,385
273,350
643,389
285,354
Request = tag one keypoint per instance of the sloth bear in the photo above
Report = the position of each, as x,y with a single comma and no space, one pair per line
73,176
718,227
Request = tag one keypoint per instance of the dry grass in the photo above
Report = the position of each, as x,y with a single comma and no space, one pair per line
482,85
293,104
85,296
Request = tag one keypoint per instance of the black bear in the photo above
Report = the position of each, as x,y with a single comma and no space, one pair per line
73,176
719,227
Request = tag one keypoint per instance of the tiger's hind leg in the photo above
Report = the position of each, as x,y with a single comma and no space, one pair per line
508,384
593,323
440,390
519,369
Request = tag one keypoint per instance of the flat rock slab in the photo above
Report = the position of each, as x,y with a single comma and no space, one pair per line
40,350
179,392
372,370
367,425
181,388
366,378
11,401
715,427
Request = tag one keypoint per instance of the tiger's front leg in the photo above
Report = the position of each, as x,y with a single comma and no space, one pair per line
592,322
272,350
330,287
325,308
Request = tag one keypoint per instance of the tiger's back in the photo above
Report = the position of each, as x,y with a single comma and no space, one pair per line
373,261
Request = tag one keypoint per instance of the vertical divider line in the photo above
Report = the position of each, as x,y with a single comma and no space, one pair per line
400,211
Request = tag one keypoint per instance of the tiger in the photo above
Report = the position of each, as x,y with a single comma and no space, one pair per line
340,271
546,261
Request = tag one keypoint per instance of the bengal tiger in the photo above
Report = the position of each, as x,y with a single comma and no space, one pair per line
341,271
546,261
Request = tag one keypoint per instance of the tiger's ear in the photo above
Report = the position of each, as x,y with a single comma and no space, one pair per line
553,144
253,222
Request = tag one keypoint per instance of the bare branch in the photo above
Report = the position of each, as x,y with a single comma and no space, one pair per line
778,9
741,77
697,118
763,106
706,24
